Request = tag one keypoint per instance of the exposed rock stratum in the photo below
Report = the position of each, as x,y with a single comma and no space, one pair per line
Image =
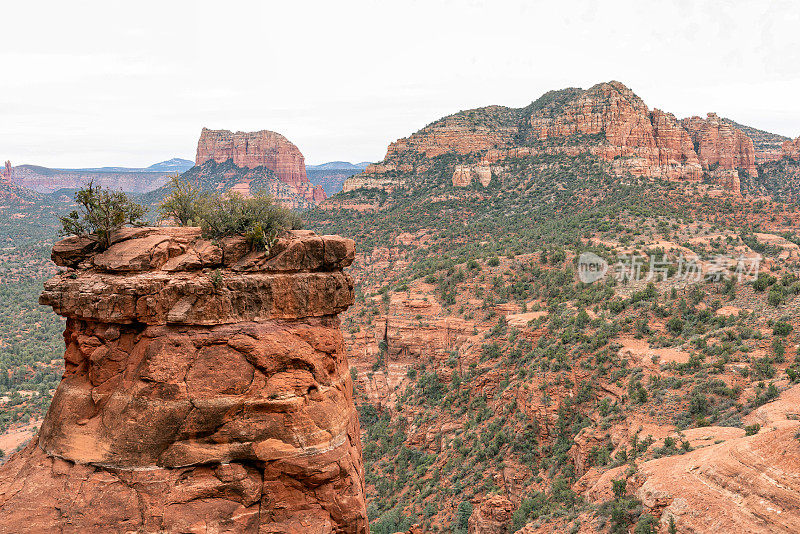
250,150
206,390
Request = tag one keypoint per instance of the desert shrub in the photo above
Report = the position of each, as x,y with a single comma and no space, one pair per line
675,325
258,218
461,523
101,212
751,430
781,328
647,524
182,203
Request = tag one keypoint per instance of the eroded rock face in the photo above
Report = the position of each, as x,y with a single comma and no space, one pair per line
256,149
206,390
739,484
492,516
791,149
721,144
608,121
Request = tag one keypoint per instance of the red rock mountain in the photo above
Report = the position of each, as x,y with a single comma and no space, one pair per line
259,149
206,390
608,121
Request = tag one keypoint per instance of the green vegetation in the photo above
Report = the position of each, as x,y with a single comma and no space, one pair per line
100,212
481,253
257,217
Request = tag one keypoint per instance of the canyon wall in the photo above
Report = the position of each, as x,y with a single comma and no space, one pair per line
206,389
259,149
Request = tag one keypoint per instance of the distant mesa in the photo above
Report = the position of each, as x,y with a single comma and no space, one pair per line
128,179
253,150
607,121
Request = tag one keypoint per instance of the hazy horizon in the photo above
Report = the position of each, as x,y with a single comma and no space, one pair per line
133,85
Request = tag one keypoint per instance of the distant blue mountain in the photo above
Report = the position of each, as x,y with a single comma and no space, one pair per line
170,165
338,165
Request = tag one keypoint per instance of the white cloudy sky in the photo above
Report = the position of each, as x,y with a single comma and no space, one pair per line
106,82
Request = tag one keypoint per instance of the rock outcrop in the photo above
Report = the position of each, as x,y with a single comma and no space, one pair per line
491,516
719,143
652,143
264,148
758,473
463,175
206,390
791,149
608,121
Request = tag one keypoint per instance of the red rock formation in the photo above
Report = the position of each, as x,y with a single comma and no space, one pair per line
206,390
653,143
256,149
7,170
791,149
696,489
461,133
608,121
719,143
491,516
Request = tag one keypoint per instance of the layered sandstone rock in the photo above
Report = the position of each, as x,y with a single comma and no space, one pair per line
259,149
206,390
492,516
463,175
739,484
791,149
719,143
608,121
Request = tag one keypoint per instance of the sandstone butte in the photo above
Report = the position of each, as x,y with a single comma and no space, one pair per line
608,121
206,390
259,149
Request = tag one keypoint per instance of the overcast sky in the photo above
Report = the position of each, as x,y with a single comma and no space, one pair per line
132,83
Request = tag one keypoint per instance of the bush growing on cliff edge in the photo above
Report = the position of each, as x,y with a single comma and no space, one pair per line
101,213
258,217
182,203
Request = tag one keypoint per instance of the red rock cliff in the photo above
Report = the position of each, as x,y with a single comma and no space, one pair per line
206,390
607,120
791,149
719,143
256,149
